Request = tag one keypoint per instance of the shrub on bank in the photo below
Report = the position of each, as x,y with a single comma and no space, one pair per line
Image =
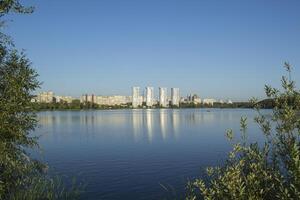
253,171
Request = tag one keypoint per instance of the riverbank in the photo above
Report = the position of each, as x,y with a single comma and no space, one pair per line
81,106
77,105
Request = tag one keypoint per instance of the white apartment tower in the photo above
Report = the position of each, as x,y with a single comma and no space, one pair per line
45,97
175,96
149,96
135,97
163,97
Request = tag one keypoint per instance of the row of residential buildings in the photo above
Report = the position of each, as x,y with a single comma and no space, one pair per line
149,99
49,97
136,99
106,100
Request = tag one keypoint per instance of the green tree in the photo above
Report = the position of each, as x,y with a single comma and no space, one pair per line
253,171
21,177
75,104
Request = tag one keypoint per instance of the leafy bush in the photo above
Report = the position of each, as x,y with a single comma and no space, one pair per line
21,177
253,171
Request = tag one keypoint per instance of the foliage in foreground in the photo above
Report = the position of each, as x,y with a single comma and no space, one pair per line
21,177
255,171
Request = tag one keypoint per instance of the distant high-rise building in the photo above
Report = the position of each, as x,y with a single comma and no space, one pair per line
175,96
106,100
45,97
136,99
83,98
86,98
163,97
149,96
113,100
91,98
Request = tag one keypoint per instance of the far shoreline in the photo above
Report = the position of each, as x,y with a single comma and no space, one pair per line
113,109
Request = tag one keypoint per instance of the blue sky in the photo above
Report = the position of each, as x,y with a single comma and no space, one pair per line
220,49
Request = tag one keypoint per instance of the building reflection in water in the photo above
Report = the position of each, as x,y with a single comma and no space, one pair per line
149,124
175,122
137,124
163,121
140,124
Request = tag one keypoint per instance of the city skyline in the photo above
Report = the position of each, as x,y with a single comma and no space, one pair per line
137,99
156,95
114,45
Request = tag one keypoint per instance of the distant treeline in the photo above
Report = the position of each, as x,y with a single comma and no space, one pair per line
266,104
77,105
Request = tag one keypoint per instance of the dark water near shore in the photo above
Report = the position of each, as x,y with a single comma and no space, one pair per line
138,154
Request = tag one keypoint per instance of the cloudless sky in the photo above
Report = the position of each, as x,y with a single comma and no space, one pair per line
219,49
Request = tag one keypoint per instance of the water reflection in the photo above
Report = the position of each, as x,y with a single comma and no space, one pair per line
163,123
175,122
129,152
141,124
137,124
149,124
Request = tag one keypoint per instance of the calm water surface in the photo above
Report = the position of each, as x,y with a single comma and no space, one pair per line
138,154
